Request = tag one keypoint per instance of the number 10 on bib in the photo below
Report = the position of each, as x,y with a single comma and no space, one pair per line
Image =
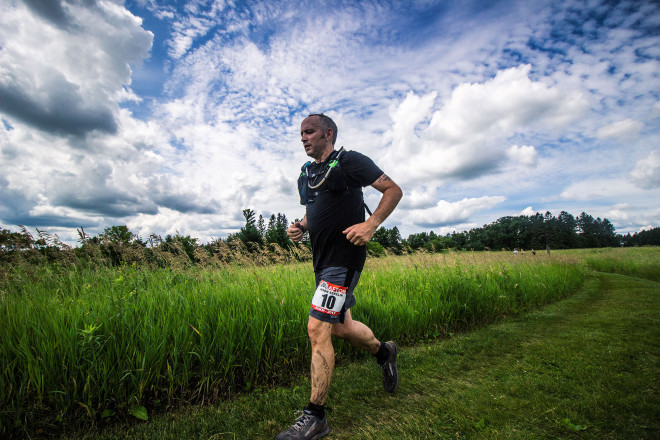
329,298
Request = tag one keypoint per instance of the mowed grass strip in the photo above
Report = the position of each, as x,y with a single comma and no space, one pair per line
586,368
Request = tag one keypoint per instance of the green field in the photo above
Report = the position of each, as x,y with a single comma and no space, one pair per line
82,349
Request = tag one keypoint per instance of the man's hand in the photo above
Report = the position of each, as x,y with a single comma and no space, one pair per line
360,234
295,232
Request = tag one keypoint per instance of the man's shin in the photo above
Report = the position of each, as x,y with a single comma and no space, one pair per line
323,363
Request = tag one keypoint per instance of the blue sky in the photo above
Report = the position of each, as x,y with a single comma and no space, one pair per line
174,116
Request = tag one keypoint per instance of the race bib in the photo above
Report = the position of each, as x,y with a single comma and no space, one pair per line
329,298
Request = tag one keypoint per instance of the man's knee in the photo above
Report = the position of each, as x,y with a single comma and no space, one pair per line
318,331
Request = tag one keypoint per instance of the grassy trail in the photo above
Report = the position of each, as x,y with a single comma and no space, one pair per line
585,368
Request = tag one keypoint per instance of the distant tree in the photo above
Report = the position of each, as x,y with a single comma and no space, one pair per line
375,249
185,242
446,242
416,241
276,231
649,237
396,243
476,239
281,227
118,234
271,231
626,240
15,241
606,233
389,239
587,231
429,242
534,232
459,239
249,233
113,242
567,234
381,236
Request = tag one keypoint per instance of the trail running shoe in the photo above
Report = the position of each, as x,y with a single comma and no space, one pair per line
306,427
390,371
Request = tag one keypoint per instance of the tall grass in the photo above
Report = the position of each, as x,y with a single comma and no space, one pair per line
93,343
428,296
642,262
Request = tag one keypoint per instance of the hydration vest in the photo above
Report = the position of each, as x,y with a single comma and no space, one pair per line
330,178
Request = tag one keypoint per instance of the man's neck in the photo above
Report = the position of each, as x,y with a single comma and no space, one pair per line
325,155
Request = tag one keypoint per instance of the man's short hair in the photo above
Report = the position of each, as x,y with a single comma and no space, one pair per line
327,122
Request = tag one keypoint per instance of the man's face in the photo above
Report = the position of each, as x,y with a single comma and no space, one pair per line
313,139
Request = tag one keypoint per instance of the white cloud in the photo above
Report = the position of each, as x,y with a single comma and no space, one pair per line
451,213
528,211
525,154
598,189
504,105
618,215
623,130
647,172
418,200
464,138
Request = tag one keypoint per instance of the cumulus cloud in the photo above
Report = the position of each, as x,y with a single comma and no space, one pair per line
65,62
503,105
598,189
463,139
418,199
618,215
405,119
446,213
49,10
647,172
622,130
525,154
63,110
529,211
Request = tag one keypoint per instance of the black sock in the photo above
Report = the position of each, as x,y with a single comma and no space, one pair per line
382,354
316,410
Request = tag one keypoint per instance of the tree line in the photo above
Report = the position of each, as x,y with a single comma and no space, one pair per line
262,241
259,242
539,231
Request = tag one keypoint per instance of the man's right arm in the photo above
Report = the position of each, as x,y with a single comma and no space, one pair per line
296,230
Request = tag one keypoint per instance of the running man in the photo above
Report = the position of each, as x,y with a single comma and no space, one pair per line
330,187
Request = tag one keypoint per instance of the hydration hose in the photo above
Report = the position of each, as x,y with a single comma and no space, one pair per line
331,165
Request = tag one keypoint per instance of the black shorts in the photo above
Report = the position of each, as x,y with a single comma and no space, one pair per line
338,278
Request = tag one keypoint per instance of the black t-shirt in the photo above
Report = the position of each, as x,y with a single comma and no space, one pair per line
333,211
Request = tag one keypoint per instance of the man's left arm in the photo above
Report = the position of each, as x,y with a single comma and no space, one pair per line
361,233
